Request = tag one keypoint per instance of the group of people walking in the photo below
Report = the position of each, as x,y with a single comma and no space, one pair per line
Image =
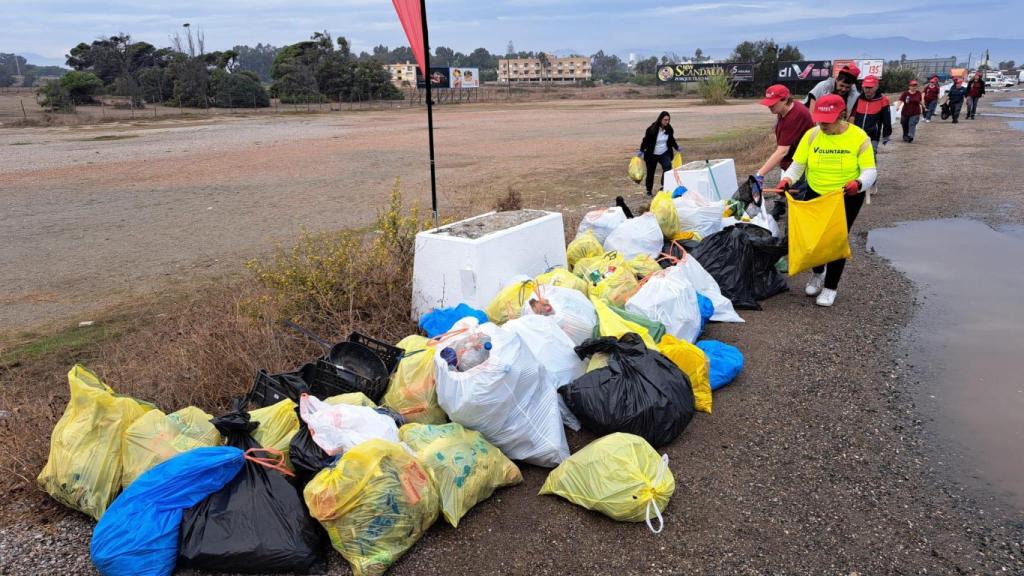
828,145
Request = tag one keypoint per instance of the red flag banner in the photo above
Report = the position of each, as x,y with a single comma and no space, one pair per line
412,22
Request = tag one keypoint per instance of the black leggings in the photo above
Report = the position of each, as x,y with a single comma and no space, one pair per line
834,269
652,164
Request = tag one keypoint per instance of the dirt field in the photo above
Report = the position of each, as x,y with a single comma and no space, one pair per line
815,461
90,216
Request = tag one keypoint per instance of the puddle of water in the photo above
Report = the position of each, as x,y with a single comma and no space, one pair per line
968,339
1017,125
1014,103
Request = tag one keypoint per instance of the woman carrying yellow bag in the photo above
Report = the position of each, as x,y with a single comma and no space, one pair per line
838,159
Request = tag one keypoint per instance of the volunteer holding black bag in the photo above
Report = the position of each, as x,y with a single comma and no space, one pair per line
835,157
658,147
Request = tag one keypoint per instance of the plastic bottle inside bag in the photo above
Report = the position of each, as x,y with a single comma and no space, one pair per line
451,357
475,351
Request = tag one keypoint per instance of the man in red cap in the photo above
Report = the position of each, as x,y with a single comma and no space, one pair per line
931,97
836,158
844,84
793,119
975,90
910,107
871,113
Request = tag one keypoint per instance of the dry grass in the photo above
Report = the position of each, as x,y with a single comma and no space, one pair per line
512,200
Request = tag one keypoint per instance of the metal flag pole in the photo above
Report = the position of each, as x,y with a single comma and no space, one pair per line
430,114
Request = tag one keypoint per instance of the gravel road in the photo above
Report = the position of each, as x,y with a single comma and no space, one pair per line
814,461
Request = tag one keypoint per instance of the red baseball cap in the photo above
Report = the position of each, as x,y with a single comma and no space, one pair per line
850,69
774,94
870,81
828,108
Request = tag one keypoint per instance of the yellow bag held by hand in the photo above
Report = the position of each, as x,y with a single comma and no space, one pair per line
84,468
817,232
637,169
677,160
620,476
375,503
694,363
465,468
665,212
156,437
585,245
412,391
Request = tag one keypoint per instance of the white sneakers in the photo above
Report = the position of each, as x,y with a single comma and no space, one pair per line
826,298
814,286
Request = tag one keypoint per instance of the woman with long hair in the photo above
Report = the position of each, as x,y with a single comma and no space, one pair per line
658,147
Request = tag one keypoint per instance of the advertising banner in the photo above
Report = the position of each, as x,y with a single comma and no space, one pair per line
439,78
804,70
870,68
465,77
694,72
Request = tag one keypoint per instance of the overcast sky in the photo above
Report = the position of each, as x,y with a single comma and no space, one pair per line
51,27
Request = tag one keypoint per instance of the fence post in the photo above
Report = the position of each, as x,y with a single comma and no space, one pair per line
23,113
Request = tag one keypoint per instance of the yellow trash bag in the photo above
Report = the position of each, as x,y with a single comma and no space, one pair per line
619,475
611,324
694,363
352,399
593,268
585,245
83,470
817,232
637,169
156,437
686,235
277,424
412,391
665,212
375,503
465,468
643,265
617,286
564,278
677,159
508,304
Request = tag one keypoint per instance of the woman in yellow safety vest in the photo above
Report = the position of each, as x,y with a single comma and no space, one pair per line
836,157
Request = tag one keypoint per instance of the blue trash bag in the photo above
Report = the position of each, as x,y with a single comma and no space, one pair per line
679,191
139,532
440,320
726,361
707,309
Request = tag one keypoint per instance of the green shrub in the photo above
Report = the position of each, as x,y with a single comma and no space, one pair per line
715,89
895,79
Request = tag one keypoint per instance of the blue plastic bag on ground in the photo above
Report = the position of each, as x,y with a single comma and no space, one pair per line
440,320
726,361
139,532
707,309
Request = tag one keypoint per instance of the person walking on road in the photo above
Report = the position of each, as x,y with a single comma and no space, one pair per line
836,158
931,98
910,107
658,147
975,90
871,113
955,98
844,84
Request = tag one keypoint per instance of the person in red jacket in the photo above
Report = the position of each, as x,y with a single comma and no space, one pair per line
975,90
910,110
931,98
871,113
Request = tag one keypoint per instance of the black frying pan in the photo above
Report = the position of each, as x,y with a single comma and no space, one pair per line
350,356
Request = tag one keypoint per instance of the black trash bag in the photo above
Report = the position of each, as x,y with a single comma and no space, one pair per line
306,456
258,523
742,259
640,391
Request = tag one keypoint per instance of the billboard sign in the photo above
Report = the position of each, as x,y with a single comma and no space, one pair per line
804,70
867,67
465,77
694,72
439,78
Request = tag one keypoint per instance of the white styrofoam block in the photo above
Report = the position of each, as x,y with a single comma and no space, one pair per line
449,269
694,176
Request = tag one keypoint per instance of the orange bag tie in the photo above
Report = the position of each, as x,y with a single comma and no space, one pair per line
275,462
670,258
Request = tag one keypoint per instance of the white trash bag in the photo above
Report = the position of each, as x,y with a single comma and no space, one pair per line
640,235
555,353
504,397
698,214
573,312
601,222
671,299
339,427
706,284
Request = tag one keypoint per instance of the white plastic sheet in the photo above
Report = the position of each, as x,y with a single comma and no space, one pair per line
697,214
640,235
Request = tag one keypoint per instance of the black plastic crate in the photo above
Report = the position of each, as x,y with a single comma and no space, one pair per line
268,389
391,355
326,379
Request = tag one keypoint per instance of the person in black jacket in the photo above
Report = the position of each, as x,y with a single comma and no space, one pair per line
658,147
871,113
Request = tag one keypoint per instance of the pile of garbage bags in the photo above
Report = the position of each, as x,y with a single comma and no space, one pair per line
313,458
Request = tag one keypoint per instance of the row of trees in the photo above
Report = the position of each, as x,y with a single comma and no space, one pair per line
12,66
316,69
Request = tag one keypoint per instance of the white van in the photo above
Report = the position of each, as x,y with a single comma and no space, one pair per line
1020,77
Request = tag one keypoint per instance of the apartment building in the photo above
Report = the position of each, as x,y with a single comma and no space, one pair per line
571,69
402,74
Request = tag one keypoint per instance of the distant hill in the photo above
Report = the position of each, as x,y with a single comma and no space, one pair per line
842,45
40,60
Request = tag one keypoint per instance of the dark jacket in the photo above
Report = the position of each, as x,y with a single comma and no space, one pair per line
980,86
956,93
651,139
872,116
